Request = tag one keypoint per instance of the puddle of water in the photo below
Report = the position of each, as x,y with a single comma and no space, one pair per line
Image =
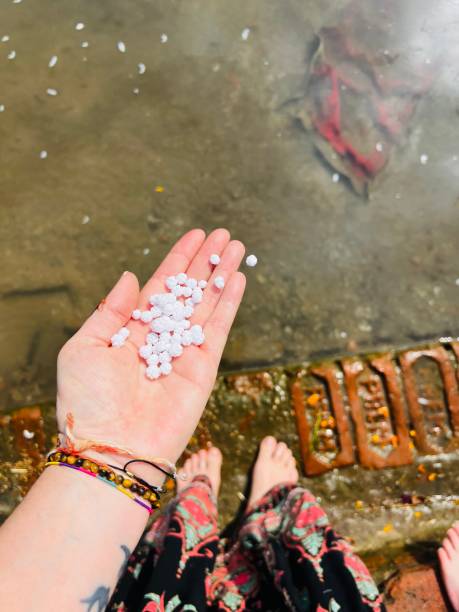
214,119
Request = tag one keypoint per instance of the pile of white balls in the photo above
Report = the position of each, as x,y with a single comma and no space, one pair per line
168,319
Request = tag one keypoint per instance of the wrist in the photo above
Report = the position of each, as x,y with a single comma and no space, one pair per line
150,474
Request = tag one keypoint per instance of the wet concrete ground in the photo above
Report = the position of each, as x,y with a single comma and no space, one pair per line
217,122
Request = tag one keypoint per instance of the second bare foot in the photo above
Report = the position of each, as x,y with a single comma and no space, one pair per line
275,465
203,463
448,555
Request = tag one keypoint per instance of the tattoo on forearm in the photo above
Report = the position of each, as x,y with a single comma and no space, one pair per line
98,601
127,554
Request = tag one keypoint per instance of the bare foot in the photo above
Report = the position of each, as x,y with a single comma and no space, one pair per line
449,561
275,465
203,463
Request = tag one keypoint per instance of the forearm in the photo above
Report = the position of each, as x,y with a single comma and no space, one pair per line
66,544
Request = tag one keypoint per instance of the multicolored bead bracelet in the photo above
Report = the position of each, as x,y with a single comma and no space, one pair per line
125,485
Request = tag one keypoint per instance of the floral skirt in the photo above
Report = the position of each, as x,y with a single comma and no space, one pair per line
284,556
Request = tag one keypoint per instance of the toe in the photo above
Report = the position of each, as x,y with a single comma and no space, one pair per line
288,458
280,451
448,548
195,463
267,447
203,464
187,466
454,539
215,455
443,557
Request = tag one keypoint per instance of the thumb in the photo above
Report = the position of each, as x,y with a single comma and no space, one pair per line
114,311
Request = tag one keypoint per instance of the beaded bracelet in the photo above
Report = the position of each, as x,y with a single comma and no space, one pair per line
134,483
124,485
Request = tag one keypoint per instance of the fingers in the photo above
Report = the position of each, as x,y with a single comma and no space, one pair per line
177,260
219,323
216,242
230,260
113,312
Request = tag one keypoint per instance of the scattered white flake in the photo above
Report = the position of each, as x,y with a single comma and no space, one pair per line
17,1
379,147
335,177
5,38
424,159
85,44
214,259
51,92
43,154
12,55
85,220
146,251
141,68
428,61
457,282
216,67
398,196
28,435
121,46
53,61
2,108
136,91
164,38
251,261
219,282
245,33
79,26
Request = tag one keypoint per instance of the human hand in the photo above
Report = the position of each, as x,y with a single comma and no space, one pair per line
105,388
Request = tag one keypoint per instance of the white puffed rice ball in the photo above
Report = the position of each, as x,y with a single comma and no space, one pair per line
153,359
177,290
251,261
124,332
152,338
166,368
156,312
158,325
202,284
187,291
145,351
188,311
117,340
146,316
153,372
187,338
214,259
136,314
192,283
219,282
162,346
171,282
181,277
196,296
169,309
164,357
175,350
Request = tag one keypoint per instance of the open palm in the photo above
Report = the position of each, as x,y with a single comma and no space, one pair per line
105,388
